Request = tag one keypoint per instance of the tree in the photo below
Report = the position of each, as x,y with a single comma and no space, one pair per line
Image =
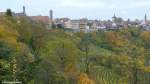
59,56
9,12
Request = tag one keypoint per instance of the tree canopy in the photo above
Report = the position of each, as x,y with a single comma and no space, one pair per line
32,54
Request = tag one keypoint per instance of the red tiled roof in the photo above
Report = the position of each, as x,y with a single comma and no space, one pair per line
43,19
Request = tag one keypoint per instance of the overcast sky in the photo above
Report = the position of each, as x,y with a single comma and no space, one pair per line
75,9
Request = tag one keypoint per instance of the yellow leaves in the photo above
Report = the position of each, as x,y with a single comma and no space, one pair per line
8,35
140,63
124,59
84,79
147,69
145,35
5,31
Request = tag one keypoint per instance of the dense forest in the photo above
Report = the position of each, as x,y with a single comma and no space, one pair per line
32,54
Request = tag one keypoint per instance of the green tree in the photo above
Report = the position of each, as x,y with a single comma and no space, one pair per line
9,12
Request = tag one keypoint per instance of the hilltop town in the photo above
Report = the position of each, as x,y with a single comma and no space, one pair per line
84,23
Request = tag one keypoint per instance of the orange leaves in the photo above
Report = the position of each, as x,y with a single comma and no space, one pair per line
71,70
114,38
84,79
111,37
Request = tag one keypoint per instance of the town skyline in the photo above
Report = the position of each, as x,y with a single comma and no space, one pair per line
114,14
76,9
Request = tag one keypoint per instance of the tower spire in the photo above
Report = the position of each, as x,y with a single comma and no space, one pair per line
145,17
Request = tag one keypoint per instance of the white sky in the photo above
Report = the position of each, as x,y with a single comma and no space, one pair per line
92,9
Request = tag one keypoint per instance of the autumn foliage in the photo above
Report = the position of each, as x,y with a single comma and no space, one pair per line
33,54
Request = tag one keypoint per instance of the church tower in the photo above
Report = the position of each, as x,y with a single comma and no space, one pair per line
114,18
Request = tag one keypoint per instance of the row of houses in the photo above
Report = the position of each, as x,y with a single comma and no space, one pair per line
85,24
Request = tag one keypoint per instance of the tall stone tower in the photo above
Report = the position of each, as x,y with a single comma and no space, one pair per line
24,10
51,18
51,15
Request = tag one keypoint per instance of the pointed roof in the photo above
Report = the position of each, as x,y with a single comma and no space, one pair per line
114,16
